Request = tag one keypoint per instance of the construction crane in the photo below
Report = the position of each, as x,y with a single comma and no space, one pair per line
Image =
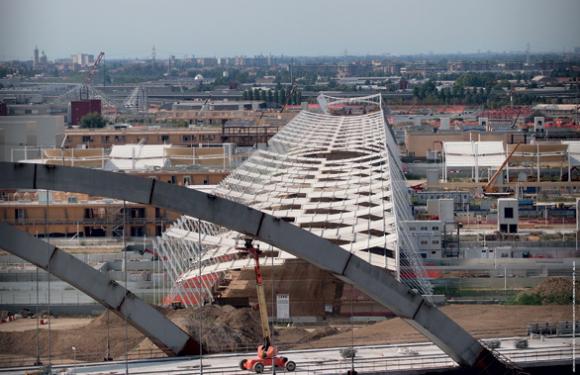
489,189
89,77
267,353
515,122
289,96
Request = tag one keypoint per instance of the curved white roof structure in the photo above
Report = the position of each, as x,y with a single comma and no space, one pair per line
137,156
336,176
471,154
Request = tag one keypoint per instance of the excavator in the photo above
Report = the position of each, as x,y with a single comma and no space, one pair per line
267,353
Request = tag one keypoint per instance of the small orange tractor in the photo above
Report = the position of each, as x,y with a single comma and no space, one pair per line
267,353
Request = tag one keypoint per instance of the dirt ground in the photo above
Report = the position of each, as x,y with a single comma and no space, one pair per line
21,325
480,320
238,329
89,340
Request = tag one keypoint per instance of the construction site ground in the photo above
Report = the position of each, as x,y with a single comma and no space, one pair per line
238,330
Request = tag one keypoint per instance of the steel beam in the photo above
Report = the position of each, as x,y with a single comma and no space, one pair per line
372,280
163,332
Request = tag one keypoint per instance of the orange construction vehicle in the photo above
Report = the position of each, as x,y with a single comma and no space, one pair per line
267,353
489,189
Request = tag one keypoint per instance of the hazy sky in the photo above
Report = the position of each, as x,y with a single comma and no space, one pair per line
130,28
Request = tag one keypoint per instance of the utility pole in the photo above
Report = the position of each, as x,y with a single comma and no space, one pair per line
574,316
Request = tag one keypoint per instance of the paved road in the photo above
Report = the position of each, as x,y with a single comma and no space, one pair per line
326,361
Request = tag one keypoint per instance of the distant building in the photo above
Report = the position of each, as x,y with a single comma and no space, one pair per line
107,137
80,108
83,59
20,135
34,109
207,61
558,110
36,58
71,214
218,105
43,59
420,143
507,215
428,234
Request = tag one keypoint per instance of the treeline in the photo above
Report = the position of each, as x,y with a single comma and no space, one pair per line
472,89
279,95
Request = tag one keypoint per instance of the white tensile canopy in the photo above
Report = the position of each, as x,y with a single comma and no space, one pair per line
473,155
136,156
573,152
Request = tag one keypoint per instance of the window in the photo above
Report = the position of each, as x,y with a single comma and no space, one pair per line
508,212
137,213
137,231
186,138
435,242
435,228
424,242
89,214
173,179
412,229
424,228
187,180
19,214
86,138
164,138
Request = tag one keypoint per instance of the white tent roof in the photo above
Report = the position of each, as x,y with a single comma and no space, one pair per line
573,151
470,154
135,156
138,151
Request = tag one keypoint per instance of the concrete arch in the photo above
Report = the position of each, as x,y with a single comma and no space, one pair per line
167,336
372,280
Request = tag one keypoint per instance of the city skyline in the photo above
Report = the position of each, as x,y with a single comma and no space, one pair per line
227,28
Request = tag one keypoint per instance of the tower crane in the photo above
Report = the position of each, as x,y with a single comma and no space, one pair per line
267,353
89,76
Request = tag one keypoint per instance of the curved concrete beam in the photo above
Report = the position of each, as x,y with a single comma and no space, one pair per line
372,280
153,324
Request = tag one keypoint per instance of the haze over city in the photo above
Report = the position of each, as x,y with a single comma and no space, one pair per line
130,28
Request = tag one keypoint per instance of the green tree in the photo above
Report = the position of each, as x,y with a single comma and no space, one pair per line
93,120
